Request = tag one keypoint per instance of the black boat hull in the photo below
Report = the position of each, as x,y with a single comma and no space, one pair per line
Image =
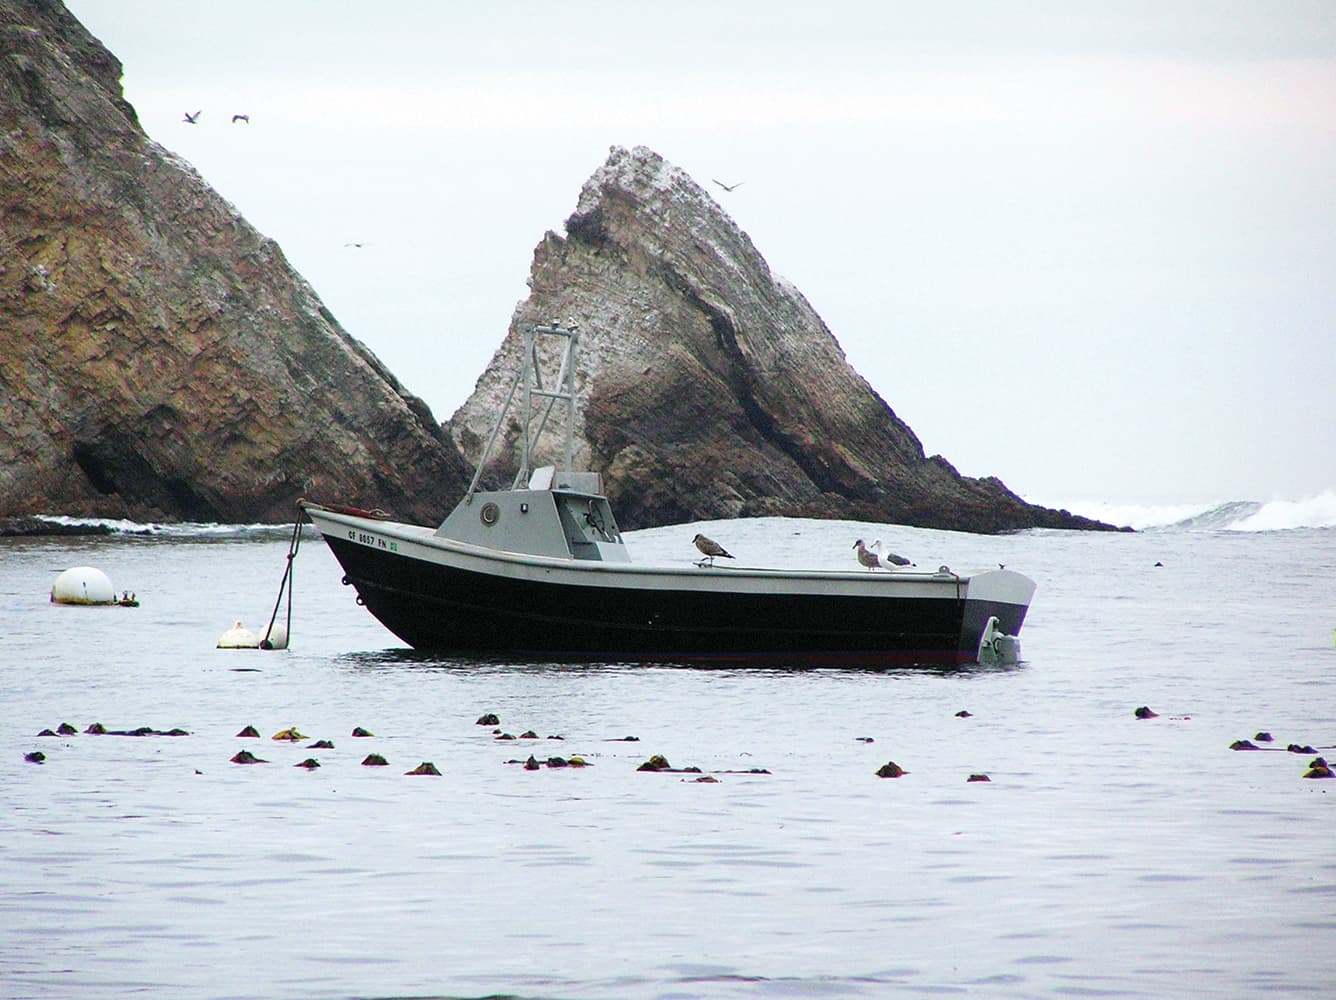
433,604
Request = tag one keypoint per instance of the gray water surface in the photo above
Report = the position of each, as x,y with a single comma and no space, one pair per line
1107,855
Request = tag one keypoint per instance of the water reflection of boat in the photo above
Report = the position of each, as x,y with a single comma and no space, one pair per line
541,570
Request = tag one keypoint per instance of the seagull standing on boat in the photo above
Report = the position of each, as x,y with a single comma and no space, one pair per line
866,556
709,548
888,559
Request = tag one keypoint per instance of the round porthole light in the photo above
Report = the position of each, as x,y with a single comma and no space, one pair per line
489,513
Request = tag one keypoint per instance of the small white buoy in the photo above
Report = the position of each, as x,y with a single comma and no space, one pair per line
238,637
275,638
83,585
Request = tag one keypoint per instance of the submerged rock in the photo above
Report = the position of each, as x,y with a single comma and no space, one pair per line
891,770
426,767
374,760
246,757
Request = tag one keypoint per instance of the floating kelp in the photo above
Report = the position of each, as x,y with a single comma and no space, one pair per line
1317,768
97,729
660,763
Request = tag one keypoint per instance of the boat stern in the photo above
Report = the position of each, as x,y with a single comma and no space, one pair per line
996,602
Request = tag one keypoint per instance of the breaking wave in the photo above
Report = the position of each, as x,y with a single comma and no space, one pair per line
1234,515
184,529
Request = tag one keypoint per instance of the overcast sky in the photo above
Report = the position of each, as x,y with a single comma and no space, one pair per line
1089,248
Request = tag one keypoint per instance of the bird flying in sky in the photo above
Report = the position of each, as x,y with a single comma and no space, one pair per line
241,118
729,187
192,119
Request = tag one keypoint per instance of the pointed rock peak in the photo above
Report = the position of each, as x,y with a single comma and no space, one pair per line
639,171
642,203
706,387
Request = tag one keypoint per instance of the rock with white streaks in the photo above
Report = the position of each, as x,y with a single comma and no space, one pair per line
710,388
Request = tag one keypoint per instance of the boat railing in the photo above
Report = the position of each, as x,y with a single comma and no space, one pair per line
530,376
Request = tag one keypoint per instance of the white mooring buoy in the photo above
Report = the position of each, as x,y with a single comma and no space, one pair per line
238,637
275,638
83,585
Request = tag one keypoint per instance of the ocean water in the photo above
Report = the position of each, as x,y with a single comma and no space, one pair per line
1107,855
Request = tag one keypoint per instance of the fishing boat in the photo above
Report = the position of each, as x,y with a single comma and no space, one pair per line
540,571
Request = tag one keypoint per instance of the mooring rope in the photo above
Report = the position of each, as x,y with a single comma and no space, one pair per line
285,584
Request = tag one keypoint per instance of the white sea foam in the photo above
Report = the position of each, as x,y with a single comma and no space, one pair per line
1281,515
1231,515
183,529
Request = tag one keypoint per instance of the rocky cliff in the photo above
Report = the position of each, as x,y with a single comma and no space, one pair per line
158,356
710,387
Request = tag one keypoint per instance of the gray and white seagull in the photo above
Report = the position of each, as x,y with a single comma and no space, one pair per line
893,558
873,557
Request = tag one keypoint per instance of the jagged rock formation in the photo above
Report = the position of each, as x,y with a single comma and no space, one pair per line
710,387
158,356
